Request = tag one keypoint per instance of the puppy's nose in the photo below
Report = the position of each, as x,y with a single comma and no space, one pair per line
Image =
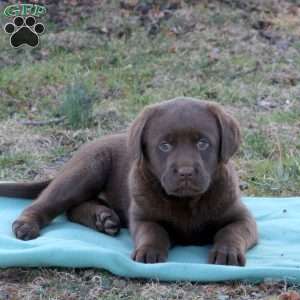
186,172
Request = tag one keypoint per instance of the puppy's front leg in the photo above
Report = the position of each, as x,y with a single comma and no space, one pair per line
232,242
151,240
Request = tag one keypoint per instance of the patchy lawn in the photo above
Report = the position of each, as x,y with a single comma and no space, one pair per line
112,59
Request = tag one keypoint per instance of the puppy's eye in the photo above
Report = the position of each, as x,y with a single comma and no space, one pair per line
165,147
203,144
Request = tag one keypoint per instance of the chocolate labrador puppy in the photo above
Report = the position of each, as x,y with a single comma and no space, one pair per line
169,179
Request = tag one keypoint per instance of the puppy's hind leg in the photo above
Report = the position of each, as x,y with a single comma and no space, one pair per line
82,178
96,215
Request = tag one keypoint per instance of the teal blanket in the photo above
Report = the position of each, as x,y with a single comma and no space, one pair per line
67,244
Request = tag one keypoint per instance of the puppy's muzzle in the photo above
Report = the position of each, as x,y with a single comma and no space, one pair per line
183,181
186,173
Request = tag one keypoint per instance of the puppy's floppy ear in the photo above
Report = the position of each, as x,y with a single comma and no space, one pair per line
136,132
230,135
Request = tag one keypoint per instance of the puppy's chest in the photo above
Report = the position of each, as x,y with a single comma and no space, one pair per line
190,225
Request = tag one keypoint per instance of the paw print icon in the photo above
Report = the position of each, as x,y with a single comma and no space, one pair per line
24,31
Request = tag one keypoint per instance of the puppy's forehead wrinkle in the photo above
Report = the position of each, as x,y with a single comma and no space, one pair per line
186,135
184,101
172,124
188,114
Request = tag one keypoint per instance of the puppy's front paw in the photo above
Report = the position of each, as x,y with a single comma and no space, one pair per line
227,255
149,255
107,221
25,229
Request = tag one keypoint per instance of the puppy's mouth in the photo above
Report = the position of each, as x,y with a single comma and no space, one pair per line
184,193
185,189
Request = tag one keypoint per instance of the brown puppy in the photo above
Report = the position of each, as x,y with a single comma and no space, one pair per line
169,179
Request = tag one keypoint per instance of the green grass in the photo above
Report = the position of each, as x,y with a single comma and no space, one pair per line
268,177
290,117
17,165
77,104
257,146
10,161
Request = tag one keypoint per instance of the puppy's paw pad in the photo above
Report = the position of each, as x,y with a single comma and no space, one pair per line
149,255
25,230
107,221
227,256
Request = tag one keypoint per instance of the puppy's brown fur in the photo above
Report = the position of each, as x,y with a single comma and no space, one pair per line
169,179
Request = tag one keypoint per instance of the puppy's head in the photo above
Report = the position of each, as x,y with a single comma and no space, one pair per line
182,141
